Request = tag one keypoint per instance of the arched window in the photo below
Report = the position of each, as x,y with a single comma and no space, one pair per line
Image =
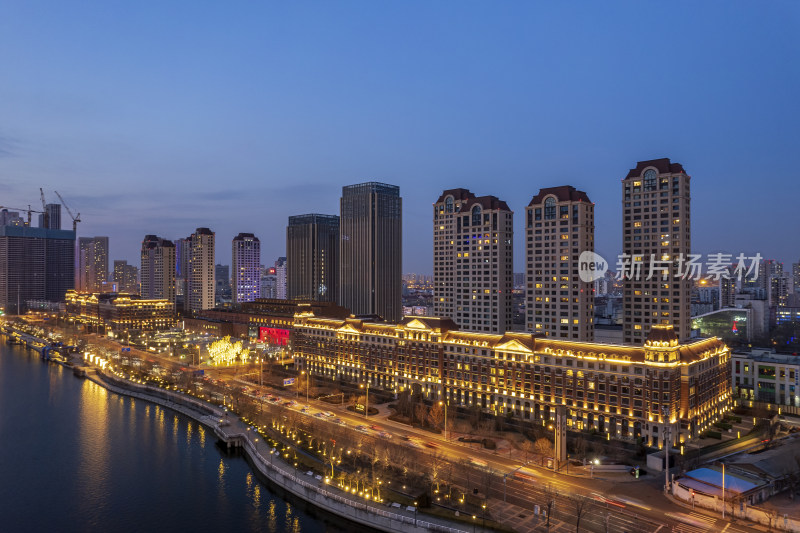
448,204
550,208
650,180
476,215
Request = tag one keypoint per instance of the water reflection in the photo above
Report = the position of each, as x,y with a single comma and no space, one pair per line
96,461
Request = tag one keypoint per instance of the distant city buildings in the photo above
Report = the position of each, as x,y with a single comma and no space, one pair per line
157,269
36,265
51,218
182,255
269,284
281,272
246,263
312,256
223,292
201,280
11,218
655,235
371,250
559,228
92,263
473,261
126,277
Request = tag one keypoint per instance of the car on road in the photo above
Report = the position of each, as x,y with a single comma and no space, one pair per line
414,444
385,435
430,444
362,429
478,462
375,427
319,415
339,421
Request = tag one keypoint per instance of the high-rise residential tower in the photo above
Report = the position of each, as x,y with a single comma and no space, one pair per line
201,280
312,257
656,239
473,272
182,254
280,278
445,212
370,229
559,228
92,263
158,269
126,277
246,264
36,264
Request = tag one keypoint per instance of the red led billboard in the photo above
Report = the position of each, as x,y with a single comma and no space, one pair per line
274,336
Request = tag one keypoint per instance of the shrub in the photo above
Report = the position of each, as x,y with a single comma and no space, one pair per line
712,435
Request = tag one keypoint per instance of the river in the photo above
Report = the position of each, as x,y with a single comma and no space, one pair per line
76,457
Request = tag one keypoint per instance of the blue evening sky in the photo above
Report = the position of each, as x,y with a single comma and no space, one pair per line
158,117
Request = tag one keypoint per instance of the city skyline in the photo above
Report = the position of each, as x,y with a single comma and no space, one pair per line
89,111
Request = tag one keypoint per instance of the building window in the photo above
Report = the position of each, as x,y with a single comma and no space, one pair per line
476,216
550,208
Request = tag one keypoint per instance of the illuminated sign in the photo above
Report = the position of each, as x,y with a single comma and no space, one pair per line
275,336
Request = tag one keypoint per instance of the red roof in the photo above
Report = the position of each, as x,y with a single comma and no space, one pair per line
663,166
564,193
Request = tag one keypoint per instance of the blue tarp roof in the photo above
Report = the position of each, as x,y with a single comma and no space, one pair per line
713,478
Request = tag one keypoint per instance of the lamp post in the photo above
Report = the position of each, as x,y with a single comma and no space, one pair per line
366,406
445,417
665,411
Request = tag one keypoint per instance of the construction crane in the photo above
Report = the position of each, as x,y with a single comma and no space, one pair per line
46,215
75,218
29,210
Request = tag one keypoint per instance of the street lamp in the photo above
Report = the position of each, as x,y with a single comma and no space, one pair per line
665,412
445,417
308,378
366,406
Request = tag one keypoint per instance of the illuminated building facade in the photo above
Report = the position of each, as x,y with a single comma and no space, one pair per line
623,391
473,270
92,263
312,256
246,263
126,277
157,269
201,281
656,236
370,253
445,212
120,312
559,228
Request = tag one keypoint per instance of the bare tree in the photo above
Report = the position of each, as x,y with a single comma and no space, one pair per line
487,477
421,412
550,494
527,447
580,446
580,503
544,447
436,416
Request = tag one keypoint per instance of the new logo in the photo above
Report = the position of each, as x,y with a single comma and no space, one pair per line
591,266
